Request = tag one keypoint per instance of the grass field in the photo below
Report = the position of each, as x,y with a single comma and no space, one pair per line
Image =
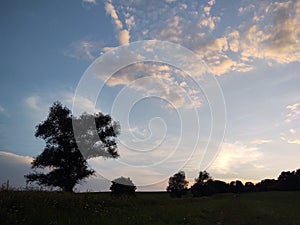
39,208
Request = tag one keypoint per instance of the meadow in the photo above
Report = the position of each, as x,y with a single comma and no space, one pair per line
51,208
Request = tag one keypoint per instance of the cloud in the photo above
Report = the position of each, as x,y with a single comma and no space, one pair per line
94,2
233,157
295,141
83,104
84,49
261,141
272,34
110,9
157,80
123,34
292,131
2,109
13,168
33,102
278,41
124,37
293,114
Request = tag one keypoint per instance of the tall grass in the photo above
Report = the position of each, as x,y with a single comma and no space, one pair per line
49,208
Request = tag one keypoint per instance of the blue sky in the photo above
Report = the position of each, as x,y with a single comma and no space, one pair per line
251,50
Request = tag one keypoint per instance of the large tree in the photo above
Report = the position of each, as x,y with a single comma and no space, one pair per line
95,135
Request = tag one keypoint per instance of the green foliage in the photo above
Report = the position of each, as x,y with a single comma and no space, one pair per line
61,154
46,208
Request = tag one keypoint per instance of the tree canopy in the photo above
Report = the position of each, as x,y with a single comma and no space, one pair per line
122,186
177,184
62,156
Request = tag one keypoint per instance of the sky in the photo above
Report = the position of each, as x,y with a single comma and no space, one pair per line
196,85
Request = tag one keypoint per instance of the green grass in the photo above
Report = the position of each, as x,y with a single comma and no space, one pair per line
41,208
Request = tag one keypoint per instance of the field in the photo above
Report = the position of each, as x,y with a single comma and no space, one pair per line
39,208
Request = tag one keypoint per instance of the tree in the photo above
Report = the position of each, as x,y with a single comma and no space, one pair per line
249,186
203,177
122,186
61,154
236,186
200,187
177,184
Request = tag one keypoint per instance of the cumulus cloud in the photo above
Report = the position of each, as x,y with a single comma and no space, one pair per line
233,157
13,168
33,102
124,37
110,9
84,49
83,104
272,34
123,34
157,80
278,41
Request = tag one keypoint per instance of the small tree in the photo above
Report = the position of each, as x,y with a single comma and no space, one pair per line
200,187
177,185
122,186
61,154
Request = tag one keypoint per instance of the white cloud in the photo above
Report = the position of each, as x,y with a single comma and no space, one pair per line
83,104
293,114
33,102
123,34
124,37
13,168
156,80
90,1
278,41
110,9
261,141
2,110
292,131
234,156
295,141
84,49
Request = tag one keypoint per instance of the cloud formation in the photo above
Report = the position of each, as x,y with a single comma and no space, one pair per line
123,34
13,168
233,157
33,102
272,34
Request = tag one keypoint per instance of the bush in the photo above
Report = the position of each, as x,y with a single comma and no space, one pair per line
122,186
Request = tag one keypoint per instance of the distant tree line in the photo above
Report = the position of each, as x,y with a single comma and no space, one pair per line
205,185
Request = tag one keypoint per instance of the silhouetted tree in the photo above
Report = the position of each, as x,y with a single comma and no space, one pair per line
219,186
122,186
177,184
236,186
289,181
203,177
267,185
249,187
200,188
61,154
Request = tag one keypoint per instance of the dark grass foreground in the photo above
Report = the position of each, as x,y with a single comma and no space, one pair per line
39,208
